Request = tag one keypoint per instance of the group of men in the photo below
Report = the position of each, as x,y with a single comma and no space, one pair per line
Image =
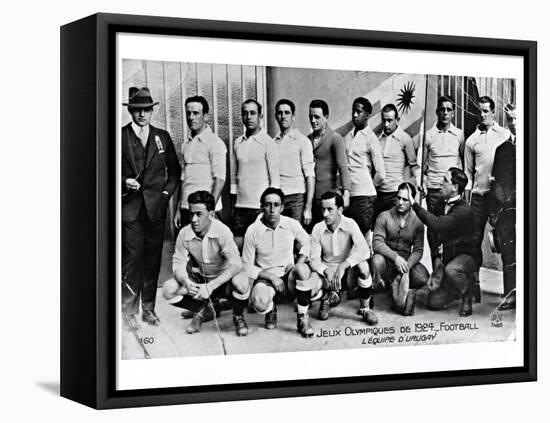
313,215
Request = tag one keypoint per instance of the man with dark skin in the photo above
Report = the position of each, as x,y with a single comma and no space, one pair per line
364,159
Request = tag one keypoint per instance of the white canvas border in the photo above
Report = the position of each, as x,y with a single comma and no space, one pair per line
190,371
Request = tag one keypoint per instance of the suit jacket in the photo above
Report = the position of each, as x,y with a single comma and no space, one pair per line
161,172
456,229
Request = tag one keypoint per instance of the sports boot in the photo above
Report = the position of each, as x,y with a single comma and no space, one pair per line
241,327
205,314
303,325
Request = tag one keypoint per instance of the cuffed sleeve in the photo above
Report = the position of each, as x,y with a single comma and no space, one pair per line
218,155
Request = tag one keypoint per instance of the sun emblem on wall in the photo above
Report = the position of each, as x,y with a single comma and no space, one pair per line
405,97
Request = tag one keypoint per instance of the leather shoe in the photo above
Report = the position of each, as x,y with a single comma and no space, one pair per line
466,306
150,317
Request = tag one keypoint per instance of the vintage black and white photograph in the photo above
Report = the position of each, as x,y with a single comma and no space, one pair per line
277,209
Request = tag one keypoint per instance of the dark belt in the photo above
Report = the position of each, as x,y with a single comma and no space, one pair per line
434,190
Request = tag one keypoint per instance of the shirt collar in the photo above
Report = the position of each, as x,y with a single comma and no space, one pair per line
293,133
213,232
454,199
137,129
283,223
397,134
495,127
452,129
203,136
343,226
257,137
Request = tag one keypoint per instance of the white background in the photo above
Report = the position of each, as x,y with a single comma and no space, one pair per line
29,331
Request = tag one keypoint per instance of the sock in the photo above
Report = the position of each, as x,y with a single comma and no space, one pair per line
365,294
303,298
190,304
239,306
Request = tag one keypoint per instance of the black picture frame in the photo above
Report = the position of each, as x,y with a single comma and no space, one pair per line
88,244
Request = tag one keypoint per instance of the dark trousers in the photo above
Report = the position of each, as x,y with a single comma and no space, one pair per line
294,206
458,278
506,229
316,214
383,268
480,206
436,206
361,209
384,201
141,256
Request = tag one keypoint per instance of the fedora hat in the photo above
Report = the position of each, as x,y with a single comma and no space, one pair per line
140,97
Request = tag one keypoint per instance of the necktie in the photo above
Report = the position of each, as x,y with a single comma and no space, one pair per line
142,136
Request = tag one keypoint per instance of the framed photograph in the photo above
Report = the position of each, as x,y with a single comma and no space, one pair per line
256,211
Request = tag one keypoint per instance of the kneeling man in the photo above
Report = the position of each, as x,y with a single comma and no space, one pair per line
205,260
338,251
268,258
398,243
456,229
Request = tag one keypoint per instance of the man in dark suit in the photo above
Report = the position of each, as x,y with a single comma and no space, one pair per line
150,174
455,268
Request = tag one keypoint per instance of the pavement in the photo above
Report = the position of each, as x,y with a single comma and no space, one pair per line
343,330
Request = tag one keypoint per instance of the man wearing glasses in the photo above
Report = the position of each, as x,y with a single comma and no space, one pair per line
150,173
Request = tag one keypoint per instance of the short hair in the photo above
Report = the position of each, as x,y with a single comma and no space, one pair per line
459,178
445,99
367,106
199,99
319,104
338,200
288,103
390,108
202,197
252,101
487,99
272,190
407,185
509,108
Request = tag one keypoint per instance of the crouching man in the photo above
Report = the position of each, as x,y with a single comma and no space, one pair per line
338,251
456,229
268,258
398,243
205,260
